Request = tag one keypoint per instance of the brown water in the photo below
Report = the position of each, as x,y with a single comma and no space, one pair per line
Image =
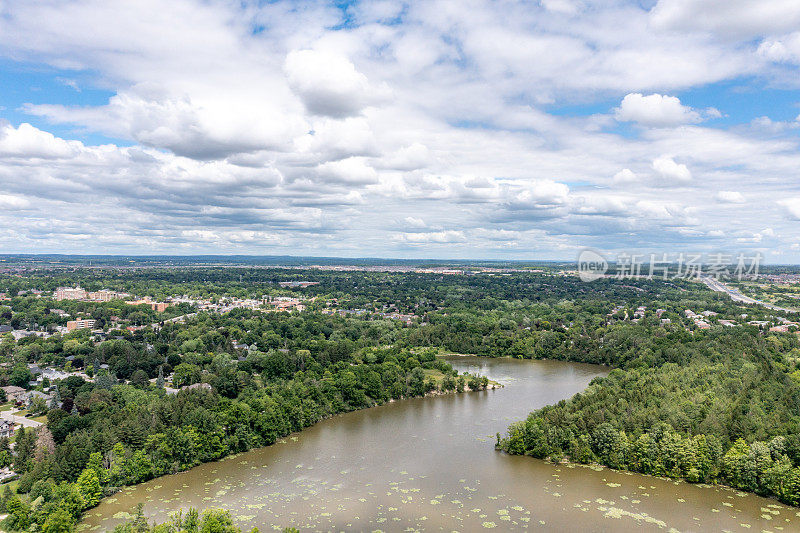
430,464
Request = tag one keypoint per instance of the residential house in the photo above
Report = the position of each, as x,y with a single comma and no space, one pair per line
29,397
54,374
196,386
13,392
6,474
6,429
23,333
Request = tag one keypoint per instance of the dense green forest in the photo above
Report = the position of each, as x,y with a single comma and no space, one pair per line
719,404
107,435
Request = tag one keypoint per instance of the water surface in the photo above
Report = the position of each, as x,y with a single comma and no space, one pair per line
430,464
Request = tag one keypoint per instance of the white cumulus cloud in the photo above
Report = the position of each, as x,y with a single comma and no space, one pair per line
655,110
28,141
236,127
11,202
791,206
739,18
353,170
625,175
436,237
670,172
731,197
329,84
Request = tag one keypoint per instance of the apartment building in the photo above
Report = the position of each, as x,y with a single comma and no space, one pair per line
68,293
85,323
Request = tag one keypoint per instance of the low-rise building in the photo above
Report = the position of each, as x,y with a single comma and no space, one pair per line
54,374
82,323
29,397
68,293
6,474
197,386
159,307
106,295
22,333
285,303
302,284
6,429
407,319
13,393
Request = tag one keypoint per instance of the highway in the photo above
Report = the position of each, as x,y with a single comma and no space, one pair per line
736,296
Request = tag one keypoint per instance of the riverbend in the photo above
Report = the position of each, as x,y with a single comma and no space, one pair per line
430,463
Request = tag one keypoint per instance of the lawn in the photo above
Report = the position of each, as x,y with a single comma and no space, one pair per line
438,377
435,374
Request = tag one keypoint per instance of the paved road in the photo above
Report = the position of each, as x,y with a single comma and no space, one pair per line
181,319
736,296
21,420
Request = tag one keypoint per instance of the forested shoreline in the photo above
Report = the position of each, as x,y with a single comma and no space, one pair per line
130,435
727,412
703,405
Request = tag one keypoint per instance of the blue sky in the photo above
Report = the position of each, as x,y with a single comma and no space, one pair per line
739,101
506,129
23,83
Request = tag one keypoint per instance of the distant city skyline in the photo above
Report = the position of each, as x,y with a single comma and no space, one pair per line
385,129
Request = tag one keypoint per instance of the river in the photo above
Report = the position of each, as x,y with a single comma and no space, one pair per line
430,464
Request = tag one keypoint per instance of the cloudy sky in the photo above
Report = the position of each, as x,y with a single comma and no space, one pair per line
437,128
